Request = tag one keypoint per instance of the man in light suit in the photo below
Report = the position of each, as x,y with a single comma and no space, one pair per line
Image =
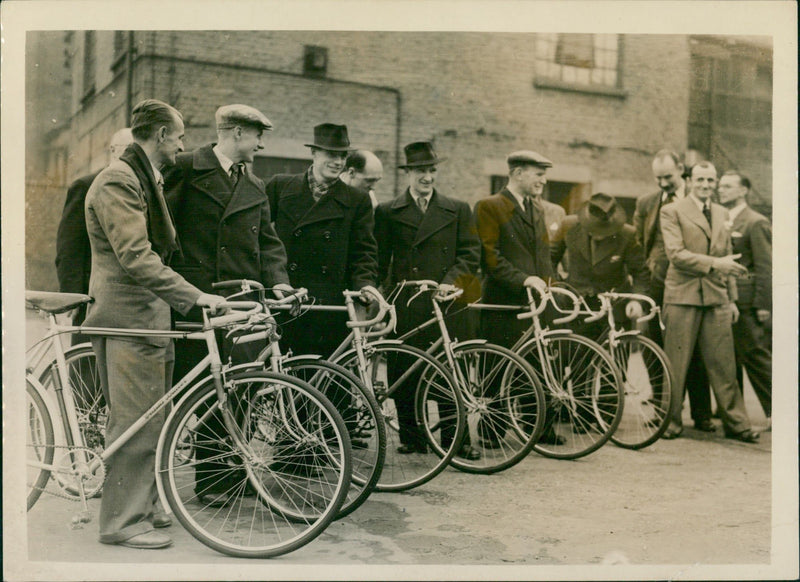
668,174
326,227
223,220
700,300
423,234
751,235
73,254
132,236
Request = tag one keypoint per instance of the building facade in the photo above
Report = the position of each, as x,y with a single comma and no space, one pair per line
596,104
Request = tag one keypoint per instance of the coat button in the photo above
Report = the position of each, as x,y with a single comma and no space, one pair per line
293,267
298,233
444,249
324,269
255,254
223,249
415,270
253,228
327,235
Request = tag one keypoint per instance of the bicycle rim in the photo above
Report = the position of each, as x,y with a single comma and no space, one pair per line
39,444
648,392
283,491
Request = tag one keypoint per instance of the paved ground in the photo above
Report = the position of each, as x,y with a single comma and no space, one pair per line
698,500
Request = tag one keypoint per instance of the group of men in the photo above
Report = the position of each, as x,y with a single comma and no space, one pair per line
158,242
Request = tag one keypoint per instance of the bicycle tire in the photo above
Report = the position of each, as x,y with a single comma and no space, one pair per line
362,416
267,502
647,380
583,390
434,390
40,441
504,403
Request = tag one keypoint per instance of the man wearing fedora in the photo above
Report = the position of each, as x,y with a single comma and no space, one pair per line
603,255
700,300
423,234
515,245
223,220
326,227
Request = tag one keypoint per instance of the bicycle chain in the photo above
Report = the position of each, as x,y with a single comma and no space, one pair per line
64,495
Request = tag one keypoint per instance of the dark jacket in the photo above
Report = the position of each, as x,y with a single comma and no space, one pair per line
223,234
330,245
441,245
751,235
73,253
616,257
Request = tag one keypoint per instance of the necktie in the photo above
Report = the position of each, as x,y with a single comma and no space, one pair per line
707,212
236,173
529,208
422,202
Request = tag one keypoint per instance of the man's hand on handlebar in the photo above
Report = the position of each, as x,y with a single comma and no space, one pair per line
634,310
212,302
282,290
535,282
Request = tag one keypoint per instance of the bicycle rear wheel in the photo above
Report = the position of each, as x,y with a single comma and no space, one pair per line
647,380
504,405
583,390
39,444
426,387
362,417
283,488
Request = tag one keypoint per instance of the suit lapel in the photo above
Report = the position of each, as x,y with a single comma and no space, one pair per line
208,177
604,248
438,216
578,238
246,195
519,221
719,217
405,211
694,214
329,207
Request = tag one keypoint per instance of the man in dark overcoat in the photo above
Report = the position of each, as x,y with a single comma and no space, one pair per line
132,236
73,252
668,173
326,227
700,301
423,234
751,236
603,255
223,220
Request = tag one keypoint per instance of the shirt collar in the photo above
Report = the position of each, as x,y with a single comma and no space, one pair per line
736,211
224,160
416,196
157,175
699,203
519,197
680,193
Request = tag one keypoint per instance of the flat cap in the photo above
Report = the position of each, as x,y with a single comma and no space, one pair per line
230,116
529,157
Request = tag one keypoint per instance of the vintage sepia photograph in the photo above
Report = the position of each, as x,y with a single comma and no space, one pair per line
399,290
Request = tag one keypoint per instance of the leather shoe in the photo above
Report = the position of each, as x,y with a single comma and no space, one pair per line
213,499
672,433
161,519
469,453
551,438
407,449
489,443
359,444
151,540
746,436
705,425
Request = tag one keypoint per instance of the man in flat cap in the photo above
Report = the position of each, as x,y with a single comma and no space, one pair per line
515,248
223,220
326,226
423,234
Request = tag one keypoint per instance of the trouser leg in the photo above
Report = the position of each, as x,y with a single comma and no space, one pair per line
752,353
136,376
680,336
698,389
716,345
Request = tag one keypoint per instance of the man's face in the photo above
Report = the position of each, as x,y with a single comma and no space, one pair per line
365,180
730,189
532,180
172,142
703,182
421,179
250,142
328,164
667,174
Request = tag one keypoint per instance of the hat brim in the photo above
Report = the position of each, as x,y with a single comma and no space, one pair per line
596,227
331,149
423,163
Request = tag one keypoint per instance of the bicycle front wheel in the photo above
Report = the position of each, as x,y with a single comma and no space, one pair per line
284,484
504,405
583,391
421,407
647,379
39,444
362,417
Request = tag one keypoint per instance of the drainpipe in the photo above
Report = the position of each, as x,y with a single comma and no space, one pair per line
129,80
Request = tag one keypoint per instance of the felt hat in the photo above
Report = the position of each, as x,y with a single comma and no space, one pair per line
420,153
331,137
601,216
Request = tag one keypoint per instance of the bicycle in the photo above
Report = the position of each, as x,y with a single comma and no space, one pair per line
582,385
267,419
645,369
357,405
499,388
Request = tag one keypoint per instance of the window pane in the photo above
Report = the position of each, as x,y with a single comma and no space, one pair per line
576,50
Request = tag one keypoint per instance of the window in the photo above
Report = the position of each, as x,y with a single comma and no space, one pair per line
579,62
315,61
89,56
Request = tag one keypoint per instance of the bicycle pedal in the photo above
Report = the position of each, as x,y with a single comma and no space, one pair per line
79,519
